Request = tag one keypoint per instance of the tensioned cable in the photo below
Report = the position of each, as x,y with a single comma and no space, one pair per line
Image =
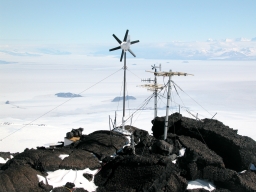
152,126
172,99
150,97
161,96
145,102
178,94
139,113
133,73
127,95
196,118
60,105
119,96
191,98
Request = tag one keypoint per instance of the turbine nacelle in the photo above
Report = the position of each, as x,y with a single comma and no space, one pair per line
125,46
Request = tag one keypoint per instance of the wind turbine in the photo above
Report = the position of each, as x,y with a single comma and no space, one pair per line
125,46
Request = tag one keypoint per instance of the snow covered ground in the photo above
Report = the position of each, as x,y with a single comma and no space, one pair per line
35,116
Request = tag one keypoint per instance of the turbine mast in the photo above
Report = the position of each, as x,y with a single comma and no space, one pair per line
125,46
123,120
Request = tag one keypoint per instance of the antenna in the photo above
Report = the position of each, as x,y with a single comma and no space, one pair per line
154,87
168,74
154,67
125,46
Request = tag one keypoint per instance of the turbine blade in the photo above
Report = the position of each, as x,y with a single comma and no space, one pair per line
131,52
119,47
118,40
125,37
137,41
128,39
122,55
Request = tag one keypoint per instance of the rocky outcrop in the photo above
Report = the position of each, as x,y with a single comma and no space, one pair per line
196,158
230,179
212,151
137,173
19,178
49,159
102,143
237,151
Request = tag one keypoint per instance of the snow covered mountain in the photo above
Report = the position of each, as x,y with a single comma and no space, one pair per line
211,49
226,49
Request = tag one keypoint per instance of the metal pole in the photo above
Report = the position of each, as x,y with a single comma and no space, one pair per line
132,142
155,95
110,131
115,120
109,123
123,122
167,107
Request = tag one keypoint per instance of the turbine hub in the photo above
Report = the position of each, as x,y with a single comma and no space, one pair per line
125,45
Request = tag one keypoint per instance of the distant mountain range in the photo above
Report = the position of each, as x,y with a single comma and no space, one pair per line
67,95
211,49
117,99
226,49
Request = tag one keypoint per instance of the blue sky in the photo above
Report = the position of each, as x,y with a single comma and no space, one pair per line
86,21
92,22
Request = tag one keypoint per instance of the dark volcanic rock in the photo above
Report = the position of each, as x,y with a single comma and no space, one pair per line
43,160
19,178
64,189
162,147
88,176
197,190
221,190
79,160
74,133
159,124
197,157
69,185
236,151
140,136
102,143
5,155
44,186
49,160
231,180
138,173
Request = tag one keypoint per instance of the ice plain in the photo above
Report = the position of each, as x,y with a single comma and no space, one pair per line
30,83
